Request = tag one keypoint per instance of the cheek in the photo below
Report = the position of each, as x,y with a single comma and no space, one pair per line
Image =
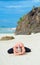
15,50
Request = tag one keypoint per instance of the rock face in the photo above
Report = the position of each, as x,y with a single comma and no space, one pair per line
29,23
7,38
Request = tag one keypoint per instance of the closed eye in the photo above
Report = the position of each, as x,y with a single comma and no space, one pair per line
16,47
20,47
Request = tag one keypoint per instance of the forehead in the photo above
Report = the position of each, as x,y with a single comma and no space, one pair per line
19,44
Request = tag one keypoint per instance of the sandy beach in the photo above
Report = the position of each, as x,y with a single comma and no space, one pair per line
31,41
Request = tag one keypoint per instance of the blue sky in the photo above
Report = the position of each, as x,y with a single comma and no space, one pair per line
11,11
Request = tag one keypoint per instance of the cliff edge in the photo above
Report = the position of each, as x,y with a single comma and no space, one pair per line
29,23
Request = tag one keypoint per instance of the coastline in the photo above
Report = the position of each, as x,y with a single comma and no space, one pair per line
7,30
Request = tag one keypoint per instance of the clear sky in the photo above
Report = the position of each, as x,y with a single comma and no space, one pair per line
12,10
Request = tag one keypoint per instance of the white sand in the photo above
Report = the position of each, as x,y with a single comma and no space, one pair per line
32,41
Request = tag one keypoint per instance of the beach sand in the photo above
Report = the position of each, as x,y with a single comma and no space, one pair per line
31,41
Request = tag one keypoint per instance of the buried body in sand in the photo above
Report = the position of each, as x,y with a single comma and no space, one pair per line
19,49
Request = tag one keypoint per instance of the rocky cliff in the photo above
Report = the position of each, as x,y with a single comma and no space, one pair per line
29,23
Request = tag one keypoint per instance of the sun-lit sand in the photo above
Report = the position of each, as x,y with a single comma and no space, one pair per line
32,41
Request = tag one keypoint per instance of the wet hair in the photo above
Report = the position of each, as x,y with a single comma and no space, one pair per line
10,51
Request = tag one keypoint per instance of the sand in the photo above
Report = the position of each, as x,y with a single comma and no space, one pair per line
31,41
